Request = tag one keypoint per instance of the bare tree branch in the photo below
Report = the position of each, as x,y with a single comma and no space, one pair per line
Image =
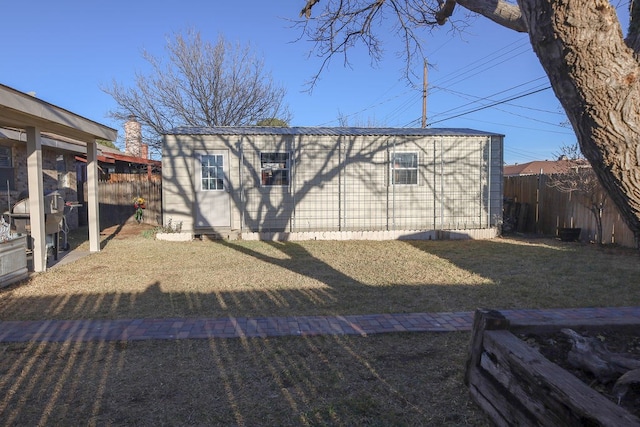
199,84
446,10
306,10
499,11
341,25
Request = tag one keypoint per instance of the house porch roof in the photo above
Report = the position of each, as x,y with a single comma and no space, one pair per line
21,110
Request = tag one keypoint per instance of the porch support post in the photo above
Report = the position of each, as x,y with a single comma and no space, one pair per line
36,199
93,204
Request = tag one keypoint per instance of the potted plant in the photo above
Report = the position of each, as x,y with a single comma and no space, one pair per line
139,205
569,234
172,232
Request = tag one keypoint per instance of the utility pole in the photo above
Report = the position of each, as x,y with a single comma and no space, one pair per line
424,95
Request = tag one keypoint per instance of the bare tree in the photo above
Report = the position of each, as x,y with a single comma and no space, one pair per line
581,182
273,121
594,71
345,120
199,84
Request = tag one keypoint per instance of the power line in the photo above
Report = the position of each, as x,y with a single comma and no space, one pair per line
526,156
488,98
484,107
566,132
478,66
528,117
371,106
486,60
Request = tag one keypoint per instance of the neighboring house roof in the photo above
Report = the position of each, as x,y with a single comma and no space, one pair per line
111,155
336,131
538,167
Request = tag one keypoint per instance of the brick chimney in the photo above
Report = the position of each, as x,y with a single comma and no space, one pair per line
133,137
144,151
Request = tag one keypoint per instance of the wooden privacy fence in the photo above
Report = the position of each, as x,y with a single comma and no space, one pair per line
534,207
116,201
133,177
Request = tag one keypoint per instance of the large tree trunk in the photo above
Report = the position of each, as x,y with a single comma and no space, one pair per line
579,43
595,76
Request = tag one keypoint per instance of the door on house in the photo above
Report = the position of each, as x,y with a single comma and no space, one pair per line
212,189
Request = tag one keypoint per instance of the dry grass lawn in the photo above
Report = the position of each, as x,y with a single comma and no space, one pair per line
394,379
136,277
390,380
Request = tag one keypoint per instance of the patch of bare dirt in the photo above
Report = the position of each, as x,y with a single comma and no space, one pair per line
128,229
556,346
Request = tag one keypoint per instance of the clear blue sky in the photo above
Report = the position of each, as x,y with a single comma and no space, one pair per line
65,51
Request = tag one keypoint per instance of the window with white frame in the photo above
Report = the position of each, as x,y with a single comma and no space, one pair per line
6,168
404,168
274,169
212,172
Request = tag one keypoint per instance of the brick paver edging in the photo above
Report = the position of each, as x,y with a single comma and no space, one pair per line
189,328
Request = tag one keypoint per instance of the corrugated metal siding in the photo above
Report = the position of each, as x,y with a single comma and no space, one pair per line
341,181
177,182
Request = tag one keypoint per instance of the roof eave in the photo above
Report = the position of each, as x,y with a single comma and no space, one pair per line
22,110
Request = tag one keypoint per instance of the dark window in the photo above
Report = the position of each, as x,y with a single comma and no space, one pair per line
404,169
274,168
6,169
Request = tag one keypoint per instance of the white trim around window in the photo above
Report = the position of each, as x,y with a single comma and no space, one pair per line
404,168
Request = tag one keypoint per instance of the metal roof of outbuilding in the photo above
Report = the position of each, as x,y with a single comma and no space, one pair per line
335,131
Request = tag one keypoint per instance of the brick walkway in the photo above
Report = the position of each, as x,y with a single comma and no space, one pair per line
146,329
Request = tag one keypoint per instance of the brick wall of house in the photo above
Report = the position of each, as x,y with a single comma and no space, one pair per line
59,173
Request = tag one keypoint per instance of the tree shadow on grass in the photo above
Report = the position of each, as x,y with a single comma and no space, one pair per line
398,379
299,260
329,380
296,279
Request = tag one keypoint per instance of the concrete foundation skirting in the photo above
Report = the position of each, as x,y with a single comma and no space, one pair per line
476,234
174,237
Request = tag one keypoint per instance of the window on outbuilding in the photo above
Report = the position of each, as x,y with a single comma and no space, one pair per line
212,172
6,169
274,169
404,168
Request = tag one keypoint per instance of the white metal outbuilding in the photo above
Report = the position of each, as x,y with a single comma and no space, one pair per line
306,182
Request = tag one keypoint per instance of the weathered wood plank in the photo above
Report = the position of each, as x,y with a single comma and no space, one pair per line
552,325
517,393
564,399
482,320
495,402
